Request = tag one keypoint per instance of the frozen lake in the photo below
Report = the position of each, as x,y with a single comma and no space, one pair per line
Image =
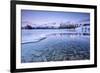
44,45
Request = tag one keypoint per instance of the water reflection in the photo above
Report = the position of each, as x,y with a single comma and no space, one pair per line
71,34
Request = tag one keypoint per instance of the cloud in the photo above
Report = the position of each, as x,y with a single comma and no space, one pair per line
85,20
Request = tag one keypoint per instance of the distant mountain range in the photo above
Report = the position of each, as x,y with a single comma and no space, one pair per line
68,25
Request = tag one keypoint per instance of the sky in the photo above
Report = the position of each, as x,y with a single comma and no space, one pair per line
42,17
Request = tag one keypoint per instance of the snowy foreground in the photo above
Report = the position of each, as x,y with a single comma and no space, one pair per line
54,45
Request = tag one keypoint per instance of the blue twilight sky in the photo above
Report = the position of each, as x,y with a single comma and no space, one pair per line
42,17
